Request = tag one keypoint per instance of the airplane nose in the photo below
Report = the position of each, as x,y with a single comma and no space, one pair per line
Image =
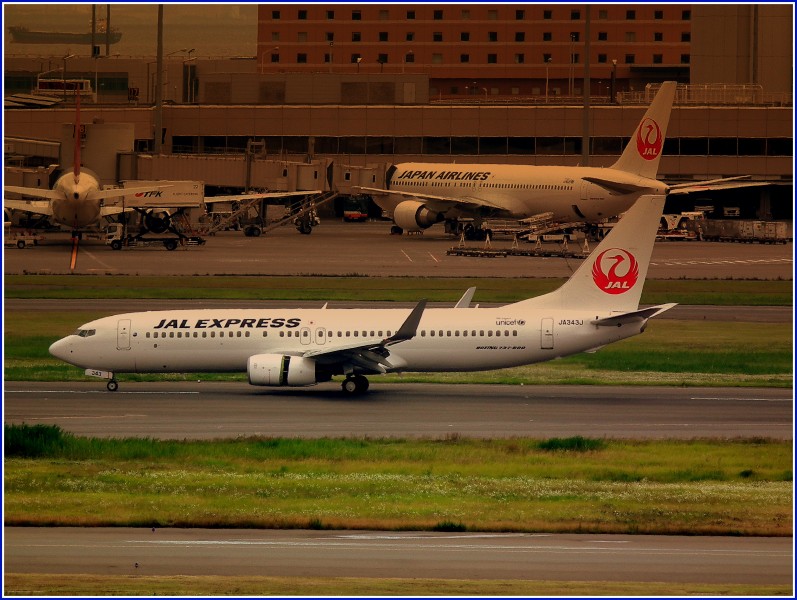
61,349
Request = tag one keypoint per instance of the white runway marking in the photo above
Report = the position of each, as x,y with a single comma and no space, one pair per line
407,255
433,258
95,392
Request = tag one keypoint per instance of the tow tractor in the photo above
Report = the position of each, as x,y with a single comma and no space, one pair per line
116,238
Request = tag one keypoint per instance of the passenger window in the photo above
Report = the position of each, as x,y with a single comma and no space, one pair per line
212,334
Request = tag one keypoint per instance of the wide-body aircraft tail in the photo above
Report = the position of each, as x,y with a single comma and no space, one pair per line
643,152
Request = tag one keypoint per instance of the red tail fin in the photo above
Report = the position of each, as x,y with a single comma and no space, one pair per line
76,166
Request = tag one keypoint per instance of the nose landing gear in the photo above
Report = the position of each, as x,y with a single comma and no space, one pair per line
112,385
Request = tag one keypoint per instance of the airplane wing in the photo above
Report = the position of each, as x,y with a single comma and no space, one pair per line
243,197
39,207
370,355
120,192
437,203
35,192
715,184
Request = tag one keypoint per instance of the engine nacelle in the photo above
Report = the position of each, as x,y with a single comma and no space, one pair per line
412,215
280,369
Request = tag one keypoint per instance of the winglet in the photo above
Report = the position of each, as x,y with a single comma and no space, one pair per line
464,302
409,328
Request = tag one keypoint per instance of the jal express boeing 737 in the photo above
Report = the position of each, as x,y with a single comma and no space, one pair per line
598,305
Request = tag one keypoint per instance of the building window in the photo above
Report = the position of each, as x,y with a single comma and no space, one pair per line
492,15
437,36
410,15
546,58
603,14
658,59
465,15
410,37
329,36
630,15
519,59
464,36
547,36
576,58
630,36
574,36
301,58
575,15
383,36
327,58
275,14
275,58
302,15
356,36
658,36
520,36
492,59
356,15
384,15
629,59
686,36
355,58
275,36
684,59
437,59
601,58
301,36
658,15
547,14
409,57
330,15
492,36
463,58
438,15
603,36
520,15
382,59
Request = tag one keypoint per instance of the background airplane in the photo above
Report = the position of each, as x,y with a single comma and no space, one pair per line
598,305
421,194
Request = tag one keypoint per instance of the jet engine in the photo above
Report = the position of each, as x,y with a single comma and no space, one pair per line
412,215
280,369
157,221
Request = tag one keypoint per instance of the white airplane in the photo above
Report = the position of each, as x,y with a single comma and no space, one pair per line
598,305
421,194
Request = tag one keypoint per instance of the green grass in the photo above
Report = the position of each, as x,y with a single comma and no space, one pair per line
571,485
56,584
398,289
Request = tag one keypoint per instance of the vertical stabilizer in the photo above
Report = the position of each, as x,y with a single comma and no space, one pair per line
612,276
76,158
643,152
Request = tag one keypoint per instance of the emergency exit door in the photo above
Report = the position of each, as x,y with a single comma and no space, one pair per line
546,334
123,334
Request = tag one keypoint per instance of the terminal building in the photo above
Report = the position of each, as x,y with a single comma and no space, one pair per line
352,89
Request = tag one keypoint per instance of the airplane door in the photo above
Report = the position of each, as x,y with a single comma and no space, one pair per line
320,336
304,335
123,334
546,334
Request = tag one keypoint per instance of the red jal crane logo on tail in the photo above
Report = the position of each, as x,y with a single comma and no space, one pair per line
649,139
615,271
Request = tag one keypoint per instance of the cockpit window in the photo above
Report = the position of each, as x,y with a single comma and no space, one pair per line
85,332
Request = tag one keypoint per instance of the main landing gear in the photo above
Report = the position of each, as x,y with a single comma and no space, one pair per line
354,385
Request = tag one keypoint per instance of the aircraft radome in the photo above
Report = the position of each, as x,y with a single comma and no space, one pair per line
598,305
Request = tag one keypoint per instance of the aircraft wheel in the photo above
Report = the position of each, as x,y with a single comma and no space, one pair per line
256,231
113,385
116,245
305,228
354,385
396,230
170,244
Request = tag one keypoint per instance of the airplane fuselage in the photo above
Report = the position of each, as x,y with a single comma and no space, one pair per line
525,190
223,340
76,208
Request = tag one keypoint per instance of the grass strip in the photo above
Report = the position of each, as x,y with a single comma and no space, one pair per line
576,485
724,292
56,584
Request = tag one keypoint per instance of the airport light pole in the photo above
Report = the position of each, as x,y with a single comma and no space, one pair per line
547,64
359,60
613,99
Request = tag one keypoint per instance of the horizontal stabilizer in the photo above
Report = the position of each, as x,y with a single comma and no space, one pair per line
643,314
618,187
35,192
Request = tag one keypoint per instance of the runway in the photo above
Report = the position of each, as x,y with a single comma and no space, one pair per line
117,551
208,410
